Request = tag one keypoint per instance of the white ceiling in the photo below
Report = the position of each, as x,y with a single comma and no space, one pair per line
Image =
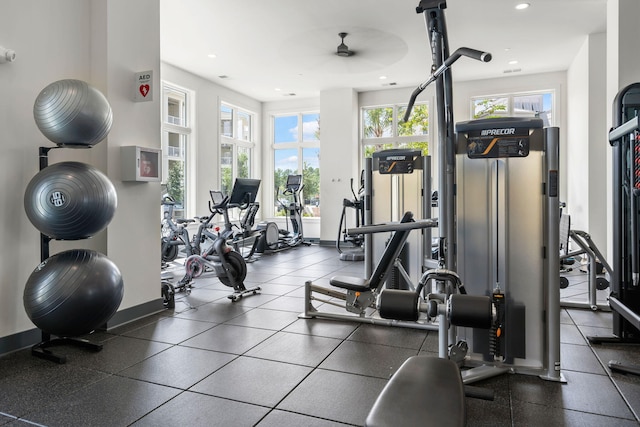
261,45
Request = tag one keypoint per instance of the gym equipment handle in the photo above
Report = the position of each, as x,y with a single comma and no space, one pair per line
463,51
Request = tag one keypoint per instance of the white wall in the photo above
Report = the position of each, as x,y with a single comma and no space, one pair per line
102,43
339,155
37,31
587,144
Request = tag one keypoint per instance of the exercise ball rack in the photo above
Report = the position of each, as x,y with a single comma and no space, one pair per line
41,349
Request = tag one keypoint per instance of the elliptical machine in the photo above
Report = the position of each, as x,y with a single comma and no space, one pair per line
288,238
293,188
356,251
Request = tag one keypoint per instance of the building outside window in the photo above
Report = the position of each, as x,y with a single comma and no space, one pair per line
382,128
529,104
296,150
176,134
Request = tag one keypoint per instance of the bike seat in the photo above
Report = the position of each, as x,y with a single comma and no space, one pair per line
185,220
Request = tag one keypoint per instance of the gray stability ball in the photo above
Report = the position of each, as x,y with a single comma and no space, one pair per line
71,113
70,201
73,292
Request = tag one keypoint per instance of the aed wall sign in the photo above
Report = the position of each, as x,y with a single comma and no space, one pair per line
143,86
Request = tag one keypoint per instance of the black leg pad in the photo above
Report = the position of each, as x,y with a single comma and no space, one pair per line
425,391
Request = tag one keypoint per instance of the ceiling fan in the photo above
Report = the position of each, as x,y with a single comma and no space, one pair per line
343,49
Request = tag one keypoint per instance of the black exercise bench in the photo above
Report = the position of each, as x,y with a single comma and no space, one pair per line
425,391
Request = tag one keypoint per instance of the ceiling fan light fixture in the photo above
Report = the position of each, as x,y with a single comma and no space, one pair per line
343,49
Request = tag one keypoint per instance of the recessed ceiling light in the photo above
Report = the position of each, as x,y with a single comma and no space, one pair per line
212,55
277,89
514,62
521,6
382,77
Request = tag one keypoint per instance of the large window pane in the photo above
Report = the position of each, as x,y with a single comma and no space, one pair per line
285,129
244,126
226,168
378,122
490,107
285,164
535,105
418,123
175,107
176,186
311,127
244,162
311,181
226,121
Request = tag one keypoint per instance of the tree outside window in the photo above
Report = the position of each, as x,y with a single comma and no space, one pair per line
383,128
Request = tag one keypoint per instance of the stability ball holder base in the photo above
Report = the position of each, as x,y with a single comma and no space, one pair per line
41,349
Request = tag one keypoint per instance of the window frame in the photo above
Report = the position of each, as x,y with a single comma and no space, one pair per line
236,143
510,96
299,145
183,127
395,140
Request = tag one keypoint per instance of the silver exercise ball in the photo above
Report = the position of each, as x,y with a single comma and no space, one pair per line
70,201
71,113
73,292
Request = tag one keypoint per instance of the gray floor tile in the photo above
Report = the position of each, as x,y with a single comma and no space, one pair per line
278,418
117,354
179,367
577,394
530,414
256,381
570,334
172,330
285,303
229,339
214,312
367,359
385,335
277,289
307,350
579,358
322,328
598,319
198,410
109,402
335,396
26,382
265,319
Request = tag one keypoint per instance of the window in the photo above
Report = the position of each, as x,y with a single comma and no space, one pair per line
175,142
296,150
383,128
236,145
530,104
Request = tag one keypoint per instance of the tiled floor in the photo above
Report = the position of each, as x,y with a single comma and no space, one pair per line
212,362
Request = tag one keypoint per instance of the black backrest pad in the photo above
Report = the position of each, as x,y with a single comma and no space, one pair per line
391,252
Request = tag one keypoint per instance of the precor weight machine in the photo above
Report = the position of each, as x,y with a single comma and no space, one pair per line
498,224
397,181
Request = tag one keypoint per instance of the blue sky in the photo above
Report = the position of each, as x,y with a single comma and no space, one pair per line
286,131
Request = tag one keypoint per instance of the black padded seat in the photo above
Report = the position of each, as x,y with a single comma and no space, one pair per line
425,391
384,266
351,283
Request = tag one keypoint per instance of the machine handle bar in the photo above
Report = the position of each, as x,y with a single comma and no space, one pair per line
463,51
397,226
